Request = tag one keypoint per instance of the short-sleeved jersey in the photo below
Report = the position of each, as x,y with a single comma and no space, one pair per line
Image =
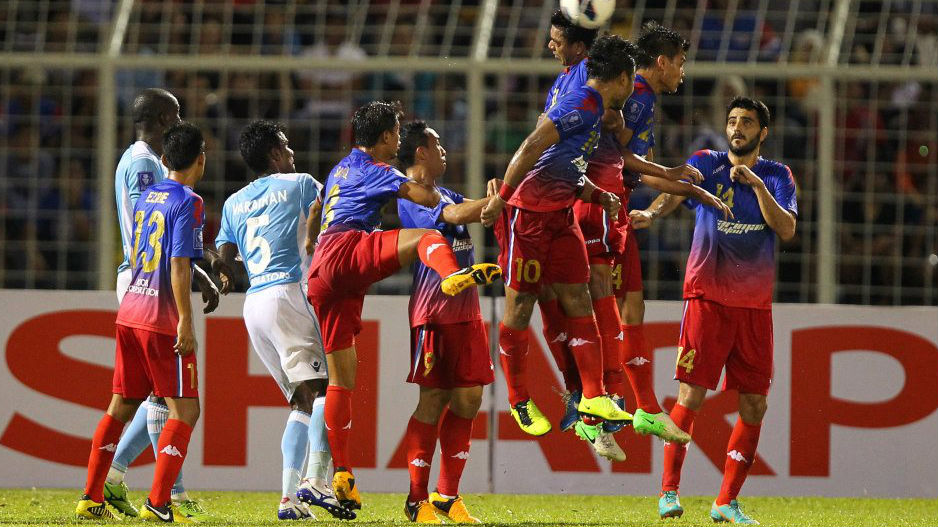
639,113
733,262
266,220
138,169
168,220
355,191
552,183
570,78
428,304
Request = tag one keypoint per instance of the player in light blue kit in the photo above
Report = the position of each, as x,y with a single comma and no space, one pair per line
273,223
154,111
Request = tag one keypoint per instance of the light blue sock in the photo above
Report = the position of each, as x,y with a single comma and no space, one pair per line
157,415
293,445
131,445
317,467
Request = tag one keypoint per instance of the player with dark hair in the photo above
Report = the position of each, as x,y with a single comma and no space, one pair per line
155,336
727,321
537,233
153,111
271,223
449,343
353,253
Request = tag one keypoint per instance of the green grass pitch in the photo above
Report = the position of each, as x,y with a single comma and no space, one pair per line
56,507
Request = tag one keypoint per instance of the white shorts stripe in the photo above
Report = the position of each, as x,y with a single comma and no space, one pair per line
511,246
418,349
606,232
683,318
179,375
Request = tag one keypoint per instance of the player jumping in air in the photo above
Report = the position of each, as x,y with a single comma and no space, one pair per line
727,321
449,344
353,253
154,110
541,244
271,223
155,337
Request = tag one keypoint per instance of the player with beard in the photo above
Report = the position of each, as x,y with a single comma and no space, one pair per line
728,287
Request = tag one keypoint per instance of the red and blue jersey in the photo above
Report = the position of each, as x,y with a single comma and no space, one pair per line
553,182
428,304
355,191
733,262
168,219
570,78
639,114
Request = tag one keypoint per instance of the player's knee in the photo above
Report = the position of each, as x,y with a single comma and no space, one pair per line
691,397
431,404
466,402
600,281
752,408
634,312
518,313
576,302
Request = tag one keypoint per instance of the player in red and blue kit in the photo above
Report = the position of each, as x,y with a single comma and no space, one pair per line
728,287
155,337
449,343
353,253
540,242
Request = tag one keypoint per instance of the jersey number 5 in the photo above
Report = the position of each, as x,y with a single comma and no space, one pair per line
156,217
257,242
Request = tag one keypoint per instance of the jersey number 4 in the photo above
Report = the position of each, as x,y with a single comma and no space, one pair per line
156,218
685,359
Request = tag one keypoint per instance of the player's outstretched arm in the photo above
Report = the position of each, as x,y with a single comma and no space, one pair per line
590,193
227,253
614,123
663,205
777,218
181,279
688,190
313,224
542,138
210,292
469,211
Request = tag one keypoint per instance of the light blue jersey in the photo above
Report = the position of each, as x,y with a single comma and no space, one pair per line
267,222
138,169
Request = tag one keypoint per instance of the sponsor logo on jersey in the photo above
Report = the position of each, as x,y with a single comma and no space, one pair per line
731,227
633,110
734,454
571,121
144,180
170,450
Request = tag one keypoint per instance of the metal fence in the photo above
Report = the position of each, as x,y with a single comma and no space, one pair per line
853,88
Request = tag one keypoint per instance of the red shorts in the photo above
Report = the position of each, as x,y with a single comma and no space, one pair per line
146,362
604,238
714,336
448,356
627,267
539,248
344,266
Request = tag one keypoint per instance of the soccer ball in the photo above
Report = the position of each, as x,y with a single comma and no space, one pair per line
589,14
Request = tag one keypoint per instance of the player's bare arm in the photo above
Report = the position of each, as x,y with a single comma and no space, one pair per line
419,194
227,253
542,138
590,193
688,190
614,122
663,205
207,287
313,224
469,211
777,218
181,279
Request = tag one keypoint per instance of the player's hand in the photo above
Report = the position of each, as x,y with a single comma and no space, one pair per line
610,203
225,276
710,200
641,219
207,287
684,172
491,188
492,210
185,338
310,247
745,175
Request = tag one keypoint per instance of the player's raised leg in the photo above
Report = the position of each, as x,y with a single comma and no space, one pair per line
435,252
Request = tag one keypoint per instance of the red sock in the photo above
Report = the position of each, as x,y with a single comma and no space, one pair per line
455,432
103,446
513,354
338,417
171,452
421,442
741,451
434,251
586,348
555,333
673,452
638,367
608,322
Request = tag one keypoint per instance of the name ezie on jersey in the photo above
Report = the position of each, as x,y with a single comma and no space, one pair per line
271,198
142,287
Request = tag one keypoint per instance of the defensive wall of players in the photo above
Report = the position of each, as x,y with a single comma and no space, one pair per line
849,382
